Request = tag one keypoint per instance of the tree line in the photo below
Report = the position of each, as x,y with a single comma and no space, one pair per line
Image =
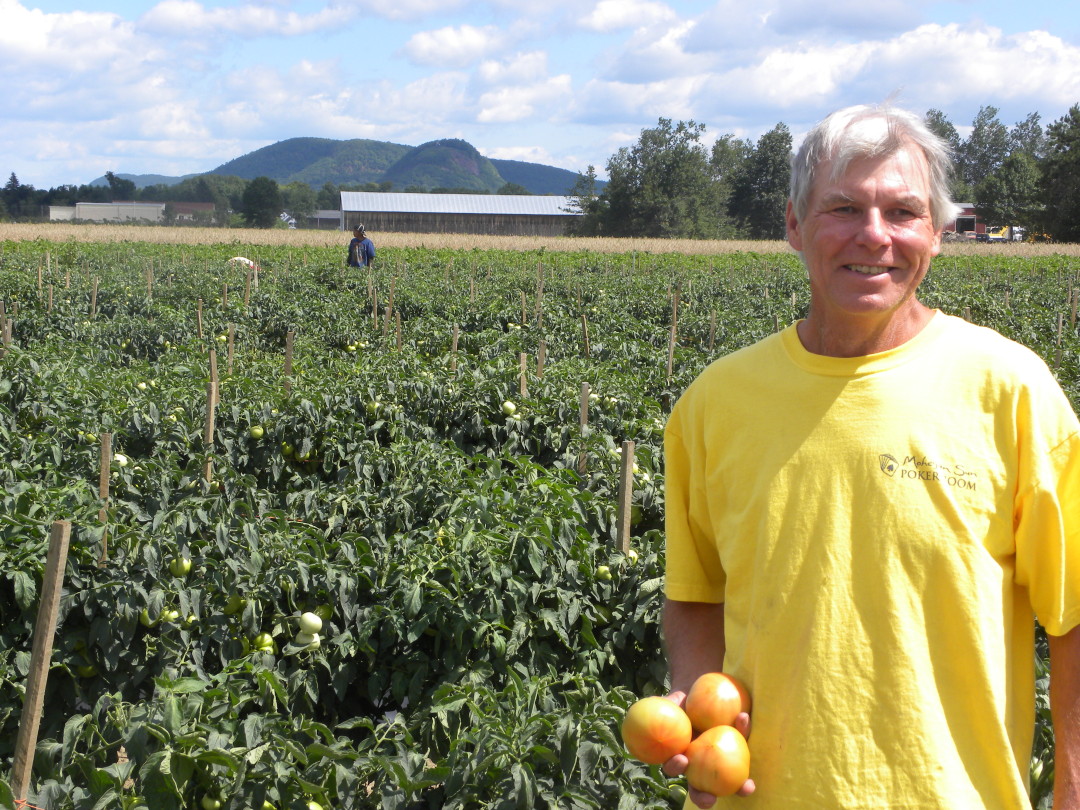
670,184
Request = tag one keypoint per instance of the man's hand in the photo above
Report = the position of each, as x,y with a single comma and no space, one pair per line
676,766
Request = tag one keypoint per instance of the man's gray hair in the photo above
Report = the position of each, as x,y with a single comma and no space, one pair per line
866,131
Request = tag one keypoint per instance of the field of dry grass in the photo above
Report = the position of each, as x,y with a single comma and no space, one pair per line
63,232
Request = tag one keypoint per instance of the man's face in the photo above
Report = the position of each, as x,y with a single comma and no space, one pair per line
867,238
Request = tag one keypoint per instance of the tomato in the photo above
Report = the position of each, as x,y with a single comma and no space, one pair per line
509,408
719,761
655,729
256,431
144,618
234,604
208,802
314,805
310,623
180,567
603,572
715,699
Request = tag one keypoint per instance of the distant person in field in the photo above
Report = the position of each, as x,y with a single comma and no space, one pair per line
361,249
868,511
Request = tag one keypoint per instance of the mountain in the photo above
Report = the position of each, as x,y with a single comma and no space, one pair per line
448,164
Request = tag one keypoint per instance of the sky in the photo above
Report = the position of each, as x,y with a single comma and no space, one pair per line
181,86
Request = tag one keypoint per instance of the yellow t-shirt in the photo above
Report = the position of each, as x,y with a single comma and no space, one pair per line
880,530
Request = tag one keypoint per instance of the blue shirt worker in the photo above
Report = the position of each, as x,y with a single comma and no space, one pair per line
361,249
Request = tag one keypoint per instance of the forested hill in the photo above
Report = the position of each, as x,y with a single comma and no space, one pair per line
443,164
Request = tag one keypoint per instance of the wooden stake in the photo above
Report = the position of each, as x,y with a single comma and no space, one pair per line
93,299
208,431
397,328
40,658
523,385
288,361
674,333
232,343
624,507
583,419
198,318
541,358
215,379
224,296
103,493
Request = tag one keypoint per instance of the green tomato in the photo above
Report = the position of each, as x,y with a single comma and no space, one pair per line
314,805
120,460
509,408
235,604
144,618
180,566
287,449
170,616
310,623
263,642
603,572
266,805
256,431
208,802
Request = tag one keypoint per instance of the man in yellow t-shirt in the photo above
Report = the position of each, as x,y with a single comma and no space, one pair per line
867,511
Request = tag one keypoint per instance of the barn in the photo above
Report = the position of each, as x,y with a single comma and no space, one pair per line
489,214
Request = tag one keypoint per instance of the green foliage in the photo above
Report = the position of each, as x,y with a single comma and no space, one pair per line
761,184
1061,177
262,203
662,186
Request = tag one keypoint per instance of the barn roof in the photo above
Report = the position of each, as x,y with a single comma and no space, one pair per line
507,204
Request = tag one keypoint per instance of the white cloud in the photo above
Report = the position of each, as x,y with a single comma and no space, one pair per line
544,99
454,46
400,9
520,68
70,42
191,18
615,15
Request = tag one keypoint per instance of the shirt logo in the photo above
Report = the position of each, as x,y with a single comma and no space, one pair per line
889,464
921,468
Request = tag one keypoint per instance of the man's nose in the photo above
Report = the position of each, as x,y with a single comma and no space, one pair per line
873,229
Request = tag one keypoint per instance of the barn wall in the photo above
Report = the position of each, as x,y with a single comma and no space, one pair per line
485,224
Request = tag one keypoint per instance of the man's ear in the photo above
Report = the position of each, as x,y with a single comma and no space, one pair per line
794,236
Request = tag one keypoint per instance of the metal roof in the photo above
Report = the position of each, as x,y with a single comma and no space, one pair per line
506,204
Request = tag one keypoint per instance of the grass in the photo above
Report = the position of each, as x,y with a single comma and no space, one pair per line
63,232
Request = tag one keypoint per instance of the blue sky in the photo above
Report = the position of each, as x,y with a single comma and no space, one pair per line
182,86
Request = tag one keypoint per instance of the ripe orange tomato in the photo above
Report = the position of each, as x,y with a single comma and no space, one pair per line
716,699
719,761
655,729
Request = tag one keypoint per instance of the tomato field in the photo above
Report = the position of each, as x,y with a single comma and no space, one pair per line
400,452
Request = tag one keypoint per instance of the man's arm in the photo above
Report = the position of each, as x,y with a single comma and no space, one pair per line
693,639
1065,708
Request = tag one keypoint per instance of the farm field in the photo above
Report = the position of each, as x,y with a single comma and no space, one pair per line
386,451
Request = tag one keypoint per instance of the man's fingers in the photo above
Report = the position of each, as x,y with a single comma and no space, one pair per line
701,798
747,788
676,766
742,724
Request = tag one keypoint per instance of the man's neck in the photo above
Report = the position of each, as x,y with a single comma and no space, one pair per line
858,337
